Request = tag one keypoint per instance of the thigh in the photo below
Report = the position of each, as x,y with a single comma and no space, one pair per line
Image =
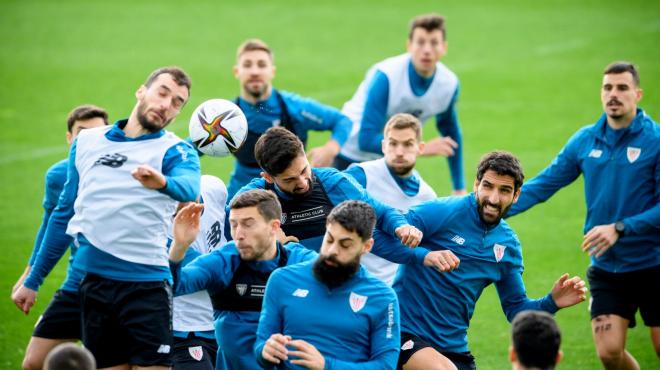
194,354
37,349
145,315
61,319
609,333
417,354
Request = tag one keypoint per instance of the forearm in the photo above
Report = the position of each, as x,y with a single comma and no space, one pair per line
386,360
391,249
644,222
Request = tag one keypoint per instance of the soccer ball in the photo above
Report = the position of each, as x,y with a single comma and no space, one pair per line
218,127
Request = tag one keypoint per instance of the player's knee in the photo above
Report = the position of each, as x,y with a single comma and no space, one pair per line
610,354
31,363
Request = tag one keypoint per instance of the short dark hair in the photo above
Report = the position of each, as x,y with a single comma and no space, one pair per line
276,149
179,75
265,201
68,356
402,121
429,22
503,163
623,67
354,215
252,45
85,112
536,338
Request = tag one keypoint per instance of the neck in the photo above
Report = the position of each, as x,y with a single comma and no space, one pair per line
424,74
254,100
133,127
271,253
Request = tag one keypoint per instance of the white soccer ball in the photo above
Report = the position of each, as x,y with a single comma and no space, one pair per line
218,127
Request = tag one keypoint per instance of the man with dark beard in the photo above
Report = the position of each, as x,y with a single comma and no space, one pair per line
436,308
123,182
331,313
308,194
265,107
393,179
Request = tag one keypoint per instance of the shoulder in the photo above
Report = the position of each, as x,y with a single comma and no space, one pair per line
375,288
508,236
445,73
297,271
297,250
443,204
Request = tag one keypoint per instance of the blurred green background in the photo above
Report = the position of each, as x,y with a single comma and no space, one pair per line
530,74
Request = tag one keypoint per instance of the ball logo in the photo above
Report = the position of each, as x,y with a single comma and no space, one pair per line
357,301
215,129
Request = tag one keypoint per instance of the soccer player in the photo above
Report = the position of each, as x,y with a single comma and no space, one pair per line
393,180
436,308
619,157
60,321
331,313
123,183
307,195
417,83
195,346
265,107
535,340
235,275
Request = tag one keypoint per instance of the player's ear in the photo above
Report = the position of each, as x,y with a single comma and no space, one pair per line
512,355
560,355
516,195
476,185
367,246
421,147
69,137
139,94
235,70
266,177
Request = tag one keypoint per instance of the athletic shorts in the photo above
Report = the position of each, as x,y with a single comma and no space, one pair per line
410,343
622,293
194,353
61,319
127,322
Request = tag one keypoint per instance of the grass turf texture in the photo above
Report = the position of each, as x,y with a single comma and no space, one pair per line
529,71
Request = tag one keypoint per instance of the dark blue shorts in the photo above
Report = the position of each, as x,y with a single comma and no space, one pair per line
61,319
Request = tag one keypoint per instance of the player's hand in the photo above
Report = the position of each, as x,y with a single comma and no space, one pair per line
568,292
323,156
149,177
24,298
283,238
443,261
459,192
21,279
307,355
599,239
275,349
185,230
409,235
443,146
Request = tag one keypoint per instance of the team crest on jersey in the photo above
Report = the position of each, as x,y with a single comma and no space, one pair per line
357,301
498,250
633,153
241,288
196,352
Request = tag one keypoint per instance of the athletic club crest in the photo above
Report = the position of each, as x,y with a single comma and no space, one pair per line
196,353
241,288
357,301
633,153
498,250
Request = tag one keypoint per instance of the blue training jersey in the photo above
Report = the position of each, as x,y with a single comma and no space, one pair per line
306,115
235,330
437,306
338,187
180,166
621,183
354,326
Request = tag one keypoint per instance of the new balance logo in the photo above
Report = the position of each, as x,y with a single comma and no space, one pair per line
164,348
112,160
595,153
458,240
302,293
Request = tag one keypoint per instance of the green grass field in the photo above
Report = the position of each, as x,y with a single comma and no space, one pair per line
530,73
